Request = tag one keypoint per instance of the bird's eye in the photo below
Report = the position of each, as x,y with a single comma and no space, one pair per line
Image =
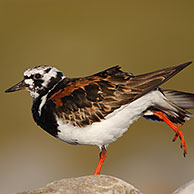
37,76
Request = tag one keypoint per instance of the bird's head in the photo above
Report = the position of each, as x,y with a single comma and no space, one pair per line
38,80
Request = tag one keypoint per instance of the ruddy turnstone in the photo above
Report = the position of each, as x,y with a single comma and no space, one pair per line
98,109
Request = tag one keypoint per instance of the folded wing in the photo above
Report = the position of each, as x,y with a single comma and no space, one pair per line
83,101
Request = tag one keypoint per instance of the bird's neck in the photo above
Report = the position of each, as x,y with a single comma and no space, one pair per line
38,94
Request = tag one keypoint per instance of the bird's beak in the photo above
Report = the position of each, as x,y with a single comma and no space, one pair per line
19,86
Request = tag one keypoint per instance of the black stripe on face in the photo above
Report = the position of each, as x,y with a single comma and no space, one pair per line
28,77
38,83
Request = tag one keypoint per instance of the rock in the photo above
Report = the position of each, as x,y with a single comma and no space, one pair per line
87,185
186,189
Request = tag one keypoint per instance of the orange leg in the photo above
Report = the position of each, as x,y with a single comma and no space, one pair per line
175,128
103,154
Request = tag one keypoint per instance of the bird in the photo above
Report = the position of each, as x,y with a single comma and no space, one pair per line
99,108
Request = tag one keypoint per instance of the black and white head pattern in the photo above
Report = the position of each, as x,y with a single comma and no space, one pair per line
41,78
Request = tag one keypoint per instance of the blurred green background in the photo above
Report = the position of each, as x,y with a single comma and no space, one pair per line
81,38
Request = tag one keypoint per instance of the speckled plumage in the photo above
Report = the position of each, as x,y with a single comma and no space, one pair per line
98,109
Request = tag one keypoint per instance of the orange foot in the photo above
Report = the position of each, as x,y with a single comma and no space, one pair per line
175,128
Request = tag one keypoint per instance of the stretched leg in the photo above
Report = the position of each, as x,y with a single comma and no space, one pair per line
175,128
103,154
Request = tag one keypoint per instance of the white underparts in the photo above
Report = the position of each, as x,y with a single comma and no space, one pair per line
114,125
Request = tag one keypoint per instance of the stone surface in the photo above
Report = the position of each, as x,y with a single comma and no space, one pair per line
101,184
186,189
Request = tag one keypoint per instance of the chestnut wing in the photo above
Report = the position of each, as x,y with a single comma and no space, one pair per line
83,101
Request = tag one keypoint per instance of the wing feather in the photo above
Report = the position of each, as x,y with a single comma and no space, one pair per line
83,101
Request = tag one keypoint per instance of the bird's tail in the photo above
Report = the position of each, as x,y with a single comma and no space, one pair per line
174,106
172,109
182,99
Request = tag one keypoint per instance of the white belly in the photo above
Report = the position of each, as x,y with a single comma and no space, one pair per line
108,130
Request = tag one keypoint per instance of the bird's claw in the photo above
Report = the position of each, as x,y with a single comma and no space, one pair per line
175,128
